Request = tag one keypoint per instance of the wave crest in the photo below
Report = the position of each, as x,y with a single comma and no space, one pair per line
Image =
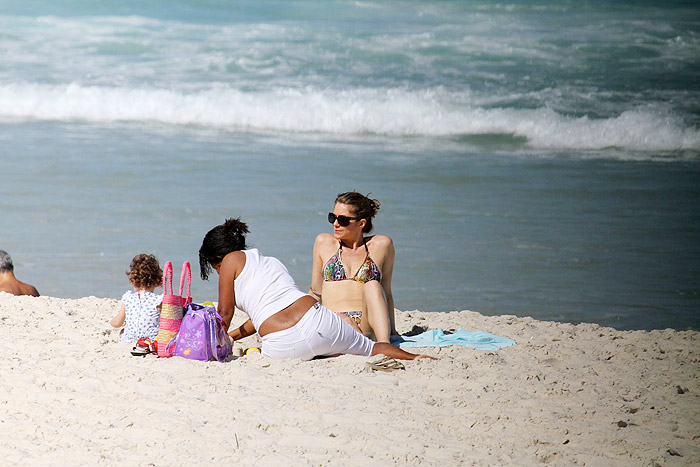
392,112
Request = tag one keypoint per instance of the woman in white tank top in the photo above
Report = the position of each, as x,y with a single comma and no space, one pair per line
291,323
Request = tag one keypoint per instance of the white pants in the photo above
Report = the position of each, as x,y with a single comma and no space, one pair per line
318,332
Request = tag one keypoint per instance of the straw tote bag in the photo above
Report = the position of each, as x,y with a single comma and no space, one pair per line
173,307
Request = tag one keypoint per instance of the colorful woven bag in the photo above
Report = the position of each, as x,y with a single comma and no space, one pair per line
172,310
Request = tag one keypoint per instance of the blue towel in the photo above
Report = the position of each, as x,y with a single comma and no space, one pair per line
437,338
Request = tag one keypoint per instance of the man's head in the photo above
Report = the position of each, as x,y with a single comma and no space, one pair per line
5,262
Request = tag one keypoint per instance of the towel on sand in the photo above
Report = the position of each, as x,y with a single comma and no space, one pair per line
480,340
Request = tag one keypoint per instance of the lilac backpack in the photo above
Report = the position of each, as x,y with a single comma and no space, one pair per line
202,336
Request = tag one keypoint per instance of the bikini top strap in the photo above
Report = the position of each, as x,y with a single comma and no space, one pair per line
364,242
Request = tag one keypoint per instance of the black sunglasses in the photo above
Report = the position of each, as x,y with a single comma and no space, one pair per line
343,221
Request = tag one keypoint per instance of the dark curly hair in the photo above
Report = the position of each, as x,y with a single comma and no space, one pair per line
145,272
220,241
364,206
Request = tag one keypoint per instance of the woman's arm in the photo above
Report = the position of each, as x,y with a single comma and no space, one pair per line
244,330
228,270
387,272
317,270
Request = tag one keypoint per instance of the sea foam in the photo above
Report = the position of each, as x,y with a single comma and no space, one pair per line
390,112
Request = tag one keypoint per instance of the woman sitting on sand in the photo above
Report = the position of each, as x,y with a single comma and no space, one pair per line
352,272
290,323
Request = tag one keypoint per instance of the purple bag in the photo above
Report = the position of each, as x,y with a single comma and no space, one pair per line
202,336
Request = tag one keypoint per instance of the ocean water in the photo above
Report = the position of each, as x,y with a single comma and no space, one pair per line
536,158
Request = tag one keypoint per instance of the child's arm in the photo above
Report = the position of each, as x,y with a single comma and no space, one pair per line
244,330
118,320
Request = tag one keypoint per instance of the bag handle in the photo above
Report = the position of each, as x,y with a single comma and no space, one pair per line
185,271
218,334
213,336
168,278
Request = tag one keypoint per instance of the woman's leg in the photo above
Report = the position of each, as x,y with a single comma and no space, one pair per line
375,313
322,332
328,334
394,352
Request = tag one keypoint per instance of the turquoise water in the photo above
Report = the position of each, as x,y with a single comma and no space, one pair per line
533,158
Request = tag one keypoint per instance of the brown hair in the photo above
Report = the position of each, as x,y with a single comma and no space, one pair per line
145,272
364,206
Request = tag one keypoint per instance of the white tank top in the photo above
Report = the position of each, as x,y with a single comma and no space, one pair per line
264,287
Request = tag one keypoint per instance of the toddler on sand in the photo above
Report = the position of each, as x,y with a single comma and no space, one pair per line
139,312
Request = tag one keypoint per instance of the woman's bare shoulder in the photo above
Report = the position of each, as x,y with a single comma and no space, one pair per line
231,265
235,259
235,256
325,239
380,241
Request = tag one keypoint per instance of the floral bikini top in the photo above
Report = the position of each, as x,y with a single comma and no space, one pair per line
335,271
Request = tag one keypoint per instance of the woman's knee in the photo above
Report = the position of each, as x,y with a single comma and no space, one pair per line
372,288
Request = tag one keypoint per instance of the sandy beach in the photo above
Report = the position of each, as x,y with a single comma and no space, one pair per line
563,395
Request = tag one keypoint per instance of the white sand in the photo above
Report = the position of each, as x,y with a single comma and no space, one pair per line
564,394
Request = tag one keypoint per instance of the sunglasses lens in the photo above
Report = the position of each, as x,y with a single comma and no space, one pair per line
343,221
